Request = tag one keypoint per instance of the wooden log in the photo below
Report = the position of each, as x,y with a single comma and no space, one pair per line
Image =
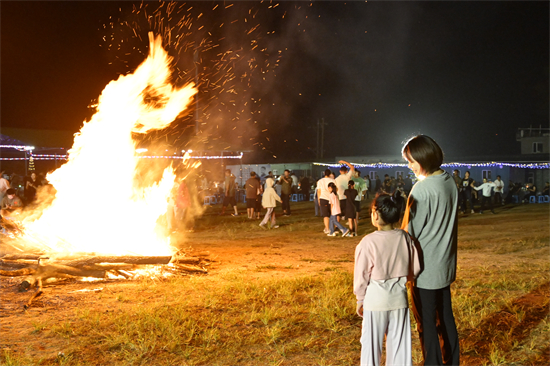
187,268
120,259
44,271
18,272
51,270
186,260
13,257
9,265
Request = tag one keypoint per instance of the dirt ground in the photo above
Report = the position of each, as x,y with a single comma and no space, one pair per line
297,248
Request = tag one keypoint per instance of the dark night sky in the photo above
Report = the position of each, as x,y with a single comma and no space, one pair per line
466,73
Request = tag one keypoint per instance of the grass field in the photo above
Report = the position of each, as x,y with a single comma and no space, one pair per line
284,297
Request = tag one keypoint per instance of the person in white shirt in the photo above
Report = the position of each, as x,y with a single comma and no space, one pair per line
342,183
486,188
499,190
323,197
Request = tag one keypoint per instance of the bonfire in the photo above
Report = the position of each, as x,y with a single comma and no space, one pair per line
80,232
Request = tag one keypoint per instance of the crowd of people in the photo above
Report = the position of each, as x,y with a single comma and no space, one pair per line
410,246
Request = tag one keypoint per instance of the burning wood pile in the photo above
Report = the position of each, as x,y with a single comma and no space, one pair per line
39,270
134,104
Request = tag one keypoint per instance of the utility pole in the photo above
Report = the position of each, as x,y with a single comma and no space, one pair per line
317,141
320,138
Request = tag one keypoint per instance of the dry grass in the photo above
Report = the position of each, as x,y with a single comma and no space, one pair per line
284,297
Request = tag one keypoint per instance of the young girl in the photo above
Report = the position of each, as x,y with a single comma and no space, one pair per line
384,261
351,211
269,201
335,211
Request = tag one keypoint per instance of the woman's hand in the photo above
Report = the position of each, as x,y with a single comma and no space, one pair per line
359,309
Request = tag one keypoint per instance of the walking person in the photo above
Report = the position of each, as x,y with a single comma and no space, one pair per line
385,261
351,211
229,190
366,179
258,208
362,191
335,212
466,194
253,187
323,196
316,202
31,185
499,190
342,183
377,184
286,182
269,201
305,186
486,188
431,219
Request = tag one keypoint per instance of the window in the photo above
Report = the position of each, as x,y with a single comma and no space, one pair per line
372,174
537,147
486,174
399,173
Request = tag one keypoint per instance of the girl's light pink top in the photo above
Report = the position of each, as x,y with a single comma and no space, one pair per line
382,255
334,205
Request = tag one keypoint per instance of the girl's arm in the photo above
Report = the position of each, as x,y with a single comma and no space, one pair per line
361,272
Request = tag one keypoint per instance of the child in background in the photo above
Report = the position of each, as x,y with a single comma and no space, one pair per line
269,201
384,261
351,211
335,211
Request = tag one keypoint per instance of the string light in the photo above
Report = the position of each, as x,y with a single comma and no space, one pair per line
17,147
64,157
493,164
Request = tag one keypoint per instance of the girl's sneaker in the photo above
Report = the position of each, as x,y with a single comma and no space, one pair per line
275,227
345,233
333,234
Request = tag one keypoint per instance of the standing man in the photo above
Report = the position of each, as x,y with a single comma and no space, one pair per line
362,189
229,191
295,182
342,184
466,194
305,185
486,188
253,187
499,189
323,197
457,179
286,191
367,185
377,185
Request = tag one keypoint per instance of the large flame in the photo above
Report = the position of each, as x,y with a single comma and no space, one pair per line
99,205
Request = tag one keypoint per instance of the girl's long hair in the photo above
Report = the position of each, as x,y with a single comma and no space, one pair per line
334,188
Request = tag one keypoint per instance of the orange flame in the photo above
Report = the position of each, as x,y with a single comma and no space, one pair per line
98,206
